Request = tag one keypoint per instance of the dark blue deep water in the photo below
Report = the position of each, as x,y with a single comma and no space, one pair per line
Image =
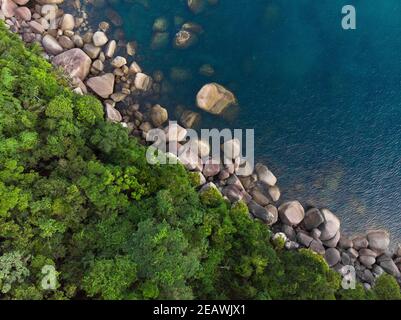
325,103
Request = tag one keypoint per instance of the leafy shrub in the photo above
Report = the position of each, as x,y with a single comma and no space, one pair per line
387,288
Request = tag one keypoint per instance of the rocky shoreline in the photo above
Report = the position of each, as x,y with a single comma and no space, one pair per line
106,66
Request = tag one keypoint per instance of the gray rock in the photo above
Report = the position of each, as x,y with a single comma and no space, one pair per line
158,115
259,197
304,239
207,187
291,213
265,175
260,212
273,212
345,243
248,182
315,233
103,85
274,193
190,159
390,267
384,257
233,193
174,132
231,148
332,243
353,253
360,242
99,39
317,247
77,39
332,256
367,252
8,8
98,65
36,27
211,168
111,49
377,270
224,174
331,225
368,276
289,232
345,259
339,267
67,22
113,114
189,119
367,261
379,240
313,219
291,245
91,50
244,168
398,251
51,45
66,42
142,81
233,179
118,62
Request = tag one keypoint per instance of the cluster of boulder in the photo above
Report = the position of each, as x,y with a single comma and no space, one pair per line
106,67
319,230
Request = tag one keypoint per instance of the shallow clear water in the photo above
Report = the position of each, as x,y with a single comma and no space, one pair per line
325,103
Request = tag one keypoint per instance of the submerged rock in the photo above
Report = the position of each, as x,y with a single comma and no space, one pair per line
214,98
142,81
196,6
189,118
184,39
158,115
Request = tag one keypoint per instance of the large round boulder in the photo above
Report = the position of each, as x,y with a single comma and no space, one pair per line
313,219
291,213
379,240
330,226
214,98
